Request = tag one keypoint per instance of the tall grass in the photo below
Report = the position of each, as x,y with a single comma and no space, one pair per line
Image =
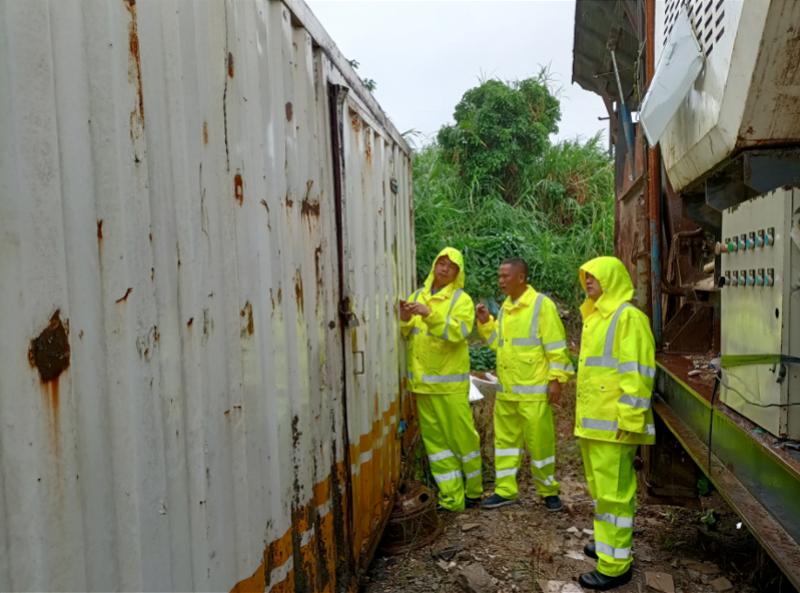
561,217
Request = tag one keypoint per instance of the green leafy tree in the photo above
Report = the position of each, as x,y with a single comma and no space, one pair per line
501,129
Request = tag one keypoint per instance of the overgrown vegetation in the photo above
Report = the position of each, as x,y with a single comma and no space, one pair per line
494,186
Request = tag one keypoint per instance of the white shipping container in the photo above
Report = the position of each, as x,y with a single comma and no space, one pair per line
190,194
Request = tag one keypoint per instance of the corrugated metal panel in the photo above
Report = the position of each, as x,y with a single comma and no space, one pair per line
172,376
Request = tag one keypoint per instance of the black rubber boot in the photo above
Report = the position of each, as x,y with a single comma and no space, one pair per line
589,550
597,581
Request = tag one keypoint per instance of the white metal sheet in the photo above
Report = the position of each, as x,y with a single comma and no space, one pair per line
171,370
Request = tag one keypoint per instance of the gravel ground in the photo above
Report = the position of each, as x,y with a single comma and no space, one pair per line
523,547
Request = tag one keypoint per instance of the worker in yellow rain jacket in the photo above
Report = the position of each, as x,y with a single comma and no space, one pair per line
436,321
532,364
613,412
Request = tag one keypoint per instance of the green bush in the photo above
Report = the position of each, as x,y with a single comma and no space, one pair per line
560,214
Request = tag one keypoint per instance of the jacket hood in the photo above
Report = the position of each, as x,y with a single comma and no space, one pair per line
615,281
455,257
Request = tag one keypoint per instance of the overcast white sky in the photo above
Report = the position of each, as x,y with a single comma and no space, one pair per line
425,54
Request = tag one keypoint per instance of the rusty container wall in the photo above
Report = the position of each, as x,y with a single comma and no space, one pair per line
179,407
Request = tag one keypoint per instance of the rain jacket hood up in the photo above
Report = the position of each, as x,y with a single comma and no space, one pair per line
617,360
438,354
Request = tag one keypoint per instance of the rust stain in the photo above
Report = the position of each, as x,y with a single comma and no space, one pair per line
238,188
247,314
289,200
355,121
190,322
135,71
368,146
99,229
49,351
205,132
49,354
289,111
318,264
308,206
124,297
230,64
298,290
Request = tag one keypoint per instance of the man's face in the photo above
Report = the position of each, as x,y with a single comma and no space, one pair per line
593,288
510,279
445,271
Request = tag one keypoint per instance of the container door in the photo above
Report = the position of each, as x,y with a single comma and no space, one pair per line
377,268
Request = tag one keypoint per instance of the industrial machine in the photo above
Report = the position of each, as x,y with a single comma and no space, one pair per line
703,98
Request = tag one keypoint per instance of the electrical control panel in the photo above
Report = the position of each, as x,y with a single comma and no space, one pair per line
760,325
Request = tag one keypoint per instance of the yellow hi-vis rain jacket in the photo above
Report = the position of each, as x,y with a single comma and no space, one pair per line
616,368
438,354
531,347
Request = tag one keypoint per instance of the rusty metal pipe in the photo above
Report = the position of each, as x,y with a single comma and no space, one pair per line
653,183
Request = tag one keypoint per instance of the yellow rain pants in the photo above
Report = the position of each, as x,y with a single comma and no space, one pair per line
612,485
519,424
453,446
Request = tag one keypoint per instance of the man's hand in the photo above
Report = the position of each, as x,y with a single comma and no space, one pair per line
405,313
554,393
482,313
418,309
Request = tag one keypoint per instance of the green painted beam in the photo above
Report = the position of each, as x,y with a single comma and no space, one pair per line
761,484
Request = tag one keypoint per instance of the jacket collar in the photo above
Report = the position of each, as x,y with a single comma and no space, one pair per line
526,299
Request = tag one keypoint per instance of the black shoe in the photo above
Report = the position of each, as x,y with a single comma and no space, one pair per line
472,503
600,582
553,503
590,551
495,501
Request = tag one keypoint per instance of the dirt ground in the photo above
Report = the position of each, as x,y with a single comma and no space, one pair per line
520,548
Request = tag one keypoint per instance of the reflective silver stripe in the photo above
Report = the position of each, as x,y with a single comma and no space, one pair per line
650,429
492,337
525,389
555,345
464,330
599,424
618,553
636,402
600,361
626,522
642,369
470,456
445,378
500,327
414,331
440,455
533,338
447,477
612,330
502,473
507,452
562,367
549,481
608,360
456,294
474,474
540,463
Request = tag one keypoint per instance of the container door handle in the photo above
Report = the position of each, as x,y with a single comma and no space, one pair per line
358,362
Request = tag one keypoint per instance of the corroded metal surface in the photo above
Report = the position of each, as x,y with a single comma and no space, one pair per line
414,522
754,473
179,410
